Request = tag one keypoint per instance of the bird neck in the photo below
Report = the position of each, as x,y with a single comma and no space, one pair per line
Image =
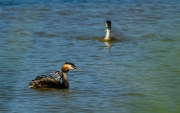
108,34
65,81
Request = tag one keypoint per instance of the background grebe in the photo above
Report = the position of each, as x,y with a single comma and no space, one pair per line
108,30
44,81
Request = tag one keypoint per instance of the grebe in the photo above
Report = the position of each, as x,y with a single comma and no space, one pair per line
108,30
44,81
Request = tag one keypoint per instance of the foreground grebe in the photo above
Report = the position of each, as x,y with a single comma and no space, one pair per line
108,30
44,81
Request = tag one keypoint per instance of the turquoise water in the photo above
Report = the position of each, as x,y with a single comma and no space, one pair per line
137,73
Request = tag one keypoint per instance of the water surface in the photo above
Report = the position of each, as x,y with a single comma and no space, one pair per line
137,73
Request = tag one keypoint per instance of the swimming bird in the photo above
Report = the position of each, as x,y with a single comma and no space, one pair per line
108,30
61,81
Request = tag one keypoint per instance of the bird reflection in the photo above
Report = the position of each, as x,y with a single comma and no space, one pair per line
107,46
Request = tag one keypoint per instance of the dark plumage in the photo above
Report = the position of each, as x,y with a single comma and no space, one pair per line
44,81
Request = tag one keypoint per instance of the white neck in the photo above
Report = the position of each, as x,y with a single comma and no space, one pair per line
108,34
65,81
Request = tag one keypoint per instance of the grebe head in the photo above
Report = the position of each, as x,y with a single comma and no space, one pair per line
68,66
108,24
57,73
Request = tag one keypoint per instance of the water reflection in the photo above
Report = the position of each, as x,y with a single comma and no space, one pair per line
107,46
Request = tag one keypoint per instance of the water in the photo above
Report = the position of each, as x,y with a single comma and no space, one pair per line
137,73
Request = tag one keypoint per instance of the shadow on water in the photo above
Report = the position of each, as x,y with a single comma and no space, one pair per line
100,39
55,91
112,40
